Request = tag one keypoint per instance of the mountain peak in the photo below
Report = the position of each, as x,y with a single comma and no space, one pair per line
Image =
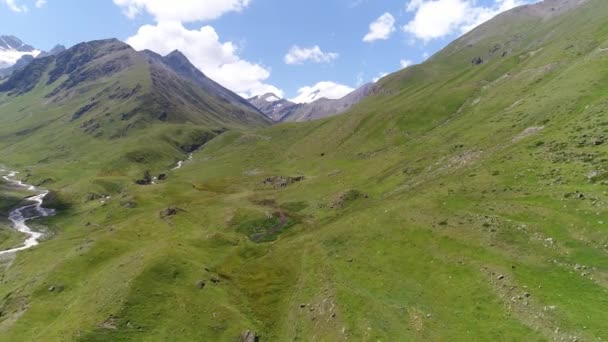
177,54
270,97
12,49
12,43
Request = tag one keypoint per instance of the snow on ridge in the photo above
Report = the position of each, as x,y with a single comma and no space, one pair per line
272,98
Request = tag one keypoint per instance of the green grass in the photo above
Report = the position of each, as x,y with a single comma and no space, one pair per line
463,215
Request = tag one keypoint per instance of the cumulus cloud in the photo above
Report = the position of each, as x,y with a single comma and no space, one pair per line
218,60
299,55
14,6
405,63
40,3
325,89
203,47
435,19
182,10
381,29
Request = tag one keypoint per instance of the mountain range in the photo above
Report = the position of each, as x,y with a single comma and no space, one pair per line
12,49
462,199
16,55
281,110
275,108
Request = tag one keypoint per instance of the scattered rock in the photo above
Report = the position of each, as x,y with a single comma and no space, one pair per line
55,288
92,197
500,277
128,204
109,324
169,212
146,180
528,132
161,177
200,284
477,61
249,336
279,182
345,198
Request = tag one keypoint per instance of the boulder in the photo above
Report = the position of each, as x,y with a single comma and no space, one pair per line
279,182
169,212
249,336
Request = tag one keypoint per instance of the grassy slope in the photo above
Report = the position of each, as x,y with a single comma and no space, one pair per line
457,197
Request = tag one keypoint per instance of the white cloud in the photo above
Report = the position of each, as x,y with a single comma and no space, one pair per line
182,10
40,3
14,6
380,76
218,60
381,29
298,55
327,89
440,18
405,63
360,78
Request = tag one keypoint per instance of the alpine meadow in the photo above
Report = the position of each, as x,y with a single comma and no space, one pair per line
464,198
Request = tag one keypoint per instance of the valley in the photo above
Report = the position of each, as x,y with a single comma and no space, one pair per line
461,199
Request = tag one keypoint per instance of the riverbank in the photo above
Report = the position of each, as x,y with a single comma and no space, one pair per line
31,199
10,197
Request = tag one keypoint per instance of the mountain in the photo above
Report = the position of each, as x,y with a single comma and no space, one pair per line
178,63
12,49
273,106
281,110
20,64
463,199
27,58
175,96
104,91
57,49
324,107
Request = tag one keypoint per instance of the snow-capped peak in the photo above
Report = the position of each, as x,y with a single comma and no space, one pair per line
272,99
12,49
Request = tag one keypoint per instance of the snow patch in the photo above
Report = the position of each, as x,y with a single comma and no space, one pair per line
272,98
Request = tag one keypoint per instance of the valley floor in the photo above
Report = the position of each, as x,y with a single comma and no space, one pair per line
477,246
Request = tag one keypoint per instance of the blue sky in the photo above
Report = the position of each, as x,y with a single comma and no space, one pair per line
246,44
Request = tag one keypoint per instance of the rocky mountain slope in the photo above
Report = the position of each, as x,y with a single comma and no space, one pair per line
14,54
12,49
273,106
323,107
281,110
464,199
27,59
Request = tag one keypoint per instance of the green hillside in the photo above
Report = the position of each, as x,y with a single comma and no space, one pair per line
465,200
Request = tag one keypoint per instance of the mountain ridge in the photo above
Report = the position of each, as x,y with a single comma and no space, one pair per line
282,110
